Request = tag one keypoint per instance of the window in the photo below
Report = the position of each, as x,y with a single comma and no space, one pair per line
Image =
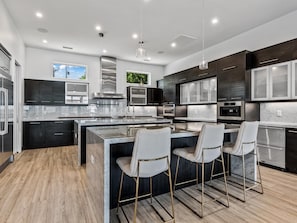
135,77
70,71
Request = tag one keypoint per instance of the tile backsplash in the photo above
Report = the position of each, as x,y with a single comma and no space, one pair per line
112,109
278,112
203,111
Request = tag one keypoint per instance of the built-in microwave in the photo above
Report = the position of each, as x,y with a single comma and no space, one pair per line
232,110
137,95
76,93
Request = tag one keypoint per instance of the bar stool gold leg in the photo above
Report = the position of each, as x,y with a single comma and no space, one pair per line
197,175
120,191
225,179
243,175
176,172
212,169
136,199
202,189
258,165
171,191
151,189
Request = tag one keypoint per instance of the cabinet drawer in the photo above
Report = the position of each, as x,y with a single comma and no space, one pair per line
61,126
272,155
59,139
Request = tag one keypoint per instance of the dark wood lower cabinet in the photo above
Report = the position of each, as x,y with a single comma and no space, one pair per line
291,150
47,134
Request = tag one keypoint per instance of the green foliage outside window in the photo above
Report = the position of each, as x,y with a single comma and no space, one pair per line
137,78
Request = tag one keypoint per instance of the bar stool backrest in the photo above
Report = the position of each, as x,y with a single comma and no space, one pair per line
211,140
246,138
151,144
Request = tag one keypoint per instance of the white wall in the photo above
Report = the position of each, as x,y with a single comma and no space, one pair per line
276,31
13,42
39,66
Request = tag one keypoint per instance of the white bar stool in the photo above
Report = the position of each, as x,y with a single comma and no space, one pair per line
246,143
151,156
208,149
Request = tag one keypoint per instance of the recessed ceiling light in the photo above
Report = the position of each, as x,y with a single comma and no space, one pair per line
104,51
39,14
98,28
44,41
173,44
135,36
215,21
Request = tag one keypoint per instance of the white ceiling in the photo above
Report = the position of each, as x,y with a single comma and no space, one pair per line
72,23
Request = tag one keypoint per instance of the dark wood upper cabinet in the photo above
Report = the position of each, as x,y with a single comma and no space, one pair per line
232,77
278,53
39,92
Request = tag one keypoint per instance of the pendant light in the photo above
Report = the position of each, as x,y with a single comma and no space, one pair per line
203,64
141,51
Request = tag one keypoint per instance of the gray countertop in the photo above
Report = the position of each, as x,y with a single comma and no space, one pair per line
123,134
121,121
195,119
279,124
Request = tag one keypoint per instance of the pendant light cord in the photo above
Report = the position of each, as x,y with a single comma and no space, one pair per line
203,30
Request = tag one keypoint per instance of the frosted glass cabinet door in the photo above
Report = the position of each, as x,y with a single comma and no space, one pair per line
194,92
260,84
213,89
294,79
279,81
204,88
184,93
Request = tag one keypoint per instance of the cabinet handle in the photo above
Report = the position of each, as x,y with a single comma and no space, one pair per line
222,99
58,134
275,128
58,122
45,101
34,123
203,74
59,101
31,101
229,68
183,79
292,131
268,61
236,98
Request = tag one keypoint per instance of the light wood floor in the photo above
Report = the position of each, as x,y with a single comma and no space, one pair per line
47,186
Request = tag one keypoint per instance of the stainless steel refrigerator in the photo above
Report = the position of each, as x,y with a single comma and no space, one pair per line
6,110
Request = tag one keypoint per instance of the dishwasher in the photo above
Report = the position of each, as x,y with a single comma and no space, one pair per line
291,150
271,143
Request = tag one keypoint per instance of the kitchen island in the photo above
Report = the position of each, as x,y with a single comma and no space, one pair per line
106,144
80,127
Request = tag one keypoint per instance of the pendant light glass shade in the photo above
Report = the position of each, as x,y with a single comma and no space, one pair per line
203,64
141,51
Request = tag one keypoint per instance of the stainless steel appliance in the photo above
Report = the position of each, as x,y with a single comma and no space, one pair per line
232,110
169,110
6,110
237,111
76,93
137,95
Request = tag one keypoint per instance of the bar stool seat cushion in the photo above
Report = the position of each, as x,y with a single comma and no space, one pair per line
187,153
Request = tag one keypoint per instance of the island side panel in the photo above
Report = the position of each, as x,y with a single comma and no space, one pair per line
95,173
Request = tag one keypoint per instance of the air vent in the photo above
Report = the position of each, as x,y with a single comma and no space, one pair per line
68,47
184,40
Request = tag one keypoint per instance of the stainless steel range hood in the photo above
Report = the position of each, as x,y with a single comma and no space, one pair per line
108,79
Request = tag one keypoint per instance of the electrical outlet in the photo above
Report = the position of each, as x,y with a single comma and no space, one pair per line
279,113
92,159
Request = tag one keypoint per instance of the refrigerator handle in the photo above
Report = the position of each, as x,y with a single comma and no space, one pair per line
5,129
